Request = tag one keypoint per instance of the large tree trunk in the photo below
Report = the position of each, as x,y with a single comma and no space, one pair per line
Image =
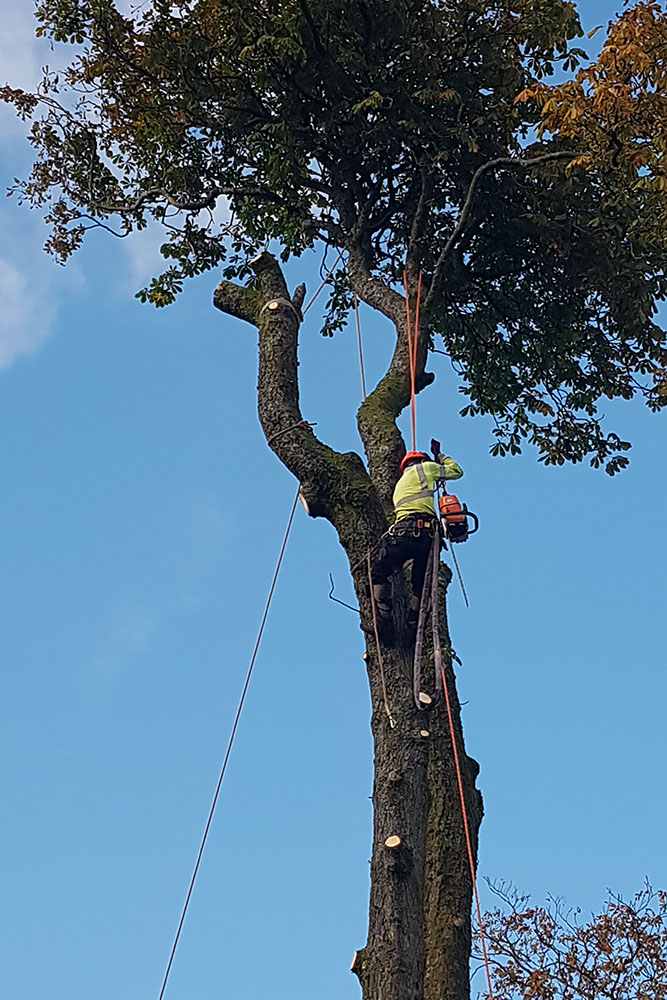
419,933
419,926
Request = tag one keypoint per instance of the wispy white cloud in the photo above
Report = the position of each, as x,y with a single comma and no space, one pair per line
27,313
22,57
135,622
143,256
29,291
20,51
31,285
143,248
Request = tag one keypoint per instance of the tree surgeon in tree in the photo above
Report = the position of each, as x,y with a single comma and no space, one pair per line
411,536
389,132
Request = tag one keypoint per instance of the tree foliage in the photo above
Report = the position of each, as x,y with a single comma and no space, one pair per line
616,110
551,953
391,132
399,137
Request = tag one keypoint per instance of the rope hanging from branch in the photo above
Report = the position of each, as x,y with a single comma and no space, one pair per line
413,329
444,685
412,326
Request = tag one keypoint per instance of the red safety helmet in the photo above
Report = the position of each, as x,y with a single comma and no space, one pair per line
413,456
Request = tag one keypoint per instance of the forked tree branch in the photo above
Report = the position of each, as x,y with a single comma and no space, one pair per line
332,482
377,416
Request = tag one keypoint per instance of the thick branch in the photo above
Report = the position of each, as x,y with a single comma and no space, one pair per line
372,291
334,484
501,161
236,301
377,416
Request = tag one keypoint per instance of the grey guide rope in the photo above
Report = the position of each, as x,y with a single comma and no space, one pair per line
246,686
230,746
455,560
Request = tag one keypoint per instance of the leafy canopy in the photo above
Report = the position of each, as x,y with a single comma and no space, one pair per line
367,126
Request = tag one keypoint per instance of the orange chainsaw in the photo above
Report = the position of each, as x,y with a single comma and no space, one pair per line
455,517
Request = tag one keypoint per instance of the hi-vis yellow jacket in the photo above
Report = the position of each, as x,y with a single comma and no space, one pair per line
416,488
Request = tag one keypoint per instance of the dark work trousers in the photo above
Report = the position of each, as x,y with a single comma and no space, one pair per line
406,542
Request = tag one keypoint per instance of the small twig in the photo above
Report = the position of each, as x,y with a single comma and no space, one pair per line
96,224
313,299
337,600
301,423
160,194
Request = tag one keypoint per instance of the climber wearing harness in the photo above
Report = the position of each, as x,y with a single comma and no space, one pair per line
411,535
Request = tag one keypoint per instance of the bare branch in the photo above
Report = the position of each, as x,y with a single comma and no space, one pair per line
96,224
501,161
160,194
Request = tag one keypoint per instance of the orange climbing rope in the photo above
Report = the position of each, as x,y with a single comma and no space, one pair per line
466,828
413,338
457,763
412,328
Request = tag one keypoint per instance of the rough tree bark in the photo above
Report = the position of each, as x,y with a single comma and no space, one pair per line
419,932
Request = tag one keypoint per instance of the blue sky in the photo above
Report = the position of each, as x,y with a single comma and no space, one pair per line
141,515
